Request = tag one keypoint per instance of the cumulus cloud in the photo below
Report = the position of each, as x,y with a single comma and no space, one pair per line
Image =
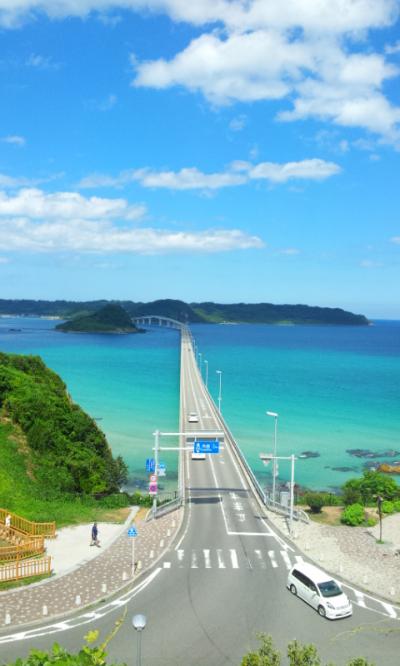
35,203
239,172
65,221
14,139
41,62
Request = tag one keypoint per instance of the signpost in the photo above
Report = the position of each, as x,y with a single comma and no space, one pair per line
162,469
150,465
206,446
132,533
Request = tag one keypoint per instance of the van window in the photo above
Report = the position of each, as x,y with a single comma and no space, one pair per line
330,589
302,578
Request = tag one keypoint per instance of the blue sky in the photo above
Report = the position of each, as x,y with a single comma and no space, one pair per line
224,150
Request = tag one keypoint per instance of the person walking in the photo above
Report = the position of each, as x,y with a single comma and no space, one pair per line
95,539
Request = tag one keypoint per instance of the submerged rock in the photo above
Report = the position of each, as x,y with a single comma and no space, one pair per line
309,454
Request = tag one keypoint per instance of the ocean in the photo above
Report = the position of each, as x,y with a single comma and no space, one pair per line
335,389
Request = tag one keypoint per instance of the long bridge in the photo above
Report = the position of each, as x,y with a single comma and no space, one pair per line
224,579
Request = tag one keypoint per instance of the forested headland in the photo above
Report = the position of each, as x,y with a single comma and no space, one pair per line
52,452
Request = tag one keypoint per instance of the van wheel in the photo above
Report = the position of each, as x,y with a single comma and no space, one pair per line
321,611
293,589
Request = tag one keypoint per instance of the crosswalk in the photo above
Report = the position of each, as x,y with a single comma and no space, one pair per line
262,559
229,558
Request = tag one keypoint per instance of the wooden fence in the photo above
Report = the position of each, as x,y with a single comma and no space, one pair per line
27,526
25,569
29,548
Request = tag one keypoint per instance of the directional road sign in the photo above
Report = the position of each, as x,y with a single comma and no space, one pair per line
162,469
132,532
206,446
150,464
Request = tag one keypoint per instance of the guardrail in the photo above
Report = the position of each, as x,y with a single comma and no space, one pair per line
27,526
298,514
25,569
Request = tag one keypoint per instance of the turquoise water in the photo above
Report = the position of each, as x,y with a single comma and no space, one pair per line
334,388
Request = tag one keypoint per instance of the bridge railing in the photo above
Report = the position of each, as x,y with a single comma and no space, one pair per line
298,514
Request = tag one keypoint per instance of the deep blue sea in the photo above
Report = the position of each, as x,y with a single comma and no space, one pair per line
335,388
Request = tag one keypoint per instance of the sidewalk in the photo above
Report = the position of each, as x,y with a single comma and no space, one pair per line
352,553
95,580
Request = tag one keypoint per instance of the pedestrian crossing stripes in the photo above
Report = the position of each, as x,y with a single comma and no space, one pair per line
259,559
229,558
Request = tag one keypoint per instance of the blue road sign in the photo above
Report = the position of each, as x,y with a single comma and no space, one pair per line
206,446
132,532
161,465
150,465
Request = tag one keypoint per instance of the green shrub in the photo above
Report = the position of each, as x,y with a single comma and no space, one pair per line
365,489
315,501
396,505
353,515
371,522
387,507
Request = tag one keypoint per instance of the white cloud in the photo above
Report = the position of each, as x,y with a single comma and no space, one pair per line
314,169
391,49
323,15
34,203
41,62
369,263
14,139
238,124
66,221
239,173
396,240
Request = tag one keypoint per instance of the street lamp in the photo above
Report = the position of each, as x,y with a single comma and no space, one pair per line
219,372
274,471
139,623
206,364
200,357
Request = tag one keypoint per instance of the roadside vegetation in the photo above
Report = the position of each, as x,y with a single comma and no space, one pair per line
357,502
266,655
298,655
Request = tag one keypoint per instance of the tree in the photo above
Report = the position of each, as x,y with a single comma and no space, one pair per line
266,655
302,655
315,501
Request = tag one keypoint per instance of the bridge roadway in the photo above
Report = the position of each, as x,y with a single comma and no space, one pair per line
225,578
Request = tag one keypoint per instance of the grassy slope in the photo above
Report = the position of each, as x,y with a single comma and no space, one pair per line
20,494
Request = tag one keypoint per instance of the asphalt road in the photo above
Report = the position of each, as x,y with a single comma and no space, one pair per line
225,579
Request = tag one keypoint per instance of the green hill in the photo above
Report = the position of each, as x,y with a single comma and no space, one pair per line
111,318
87,313
66,453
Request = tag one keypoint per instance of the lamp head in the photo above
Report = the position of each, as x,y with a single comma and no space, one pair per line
139,622
273,414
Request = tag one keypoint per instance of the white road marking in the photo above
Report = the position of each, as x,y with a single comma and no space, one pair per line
299,559
194,561
260,559
167,565
180,553
151,554
271,555
390,610
221,563
162,543
286,559
234,559
85,618
360,598
207,560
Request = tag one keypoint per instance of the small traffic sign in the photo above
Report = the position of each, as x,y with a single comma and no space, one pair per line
206,446
152,489
161,465
150,464
132,532
153,478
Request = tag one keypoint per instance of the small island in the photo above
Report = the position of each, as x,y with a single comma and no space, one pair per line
111,318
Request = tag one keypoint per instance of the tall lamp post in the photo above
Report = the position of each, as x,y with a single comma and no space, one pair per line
200,357
275,416
206,364
139,623
219,372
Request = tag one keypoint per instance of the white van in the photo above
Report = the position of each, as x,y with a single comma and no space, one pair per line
319,590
